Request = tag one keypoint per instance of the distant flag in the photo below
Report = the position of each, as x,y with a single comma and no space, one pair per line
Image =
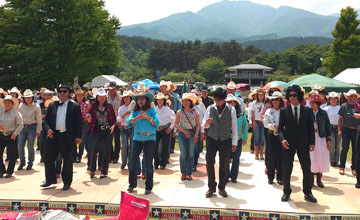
129,86
185,88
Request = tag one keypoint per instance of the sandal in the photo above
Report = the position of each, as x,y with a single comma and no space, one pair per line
342,171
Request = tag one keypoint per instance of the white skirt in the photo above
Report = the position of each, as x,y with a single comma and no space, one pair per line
320,157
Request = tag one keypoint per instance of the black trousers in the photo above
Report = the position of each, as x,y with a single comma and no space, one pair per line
115,153
162,148
287,166
274,157
358,157
266,136
64,144
12,153
224,148
101,140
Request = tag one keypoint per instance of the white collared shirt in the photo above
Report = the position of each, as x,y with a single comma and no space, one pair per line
122,110
234,129
61,117
298,111
166,115
271,118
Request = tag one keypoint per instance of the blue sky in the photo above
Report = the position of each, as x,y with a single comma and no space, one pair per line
139,11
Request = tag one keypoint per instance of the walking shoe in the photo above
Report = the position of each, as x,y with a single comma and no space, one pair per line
270,182
92,174
147,192
189,177
280,182
341,171
123,167
357,185
66,187
222,193
29,167
183,176
48,184
21,166
210,193
353,172
285,197
130,189
8,175
310,198
234,180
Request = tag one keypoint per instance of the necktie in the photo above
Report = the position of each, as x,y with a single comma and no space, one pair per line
296,115
61,103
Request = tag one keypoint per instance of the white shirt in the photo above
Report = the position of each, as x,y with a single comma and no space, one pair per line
166,115
61,117
122,110
200,112
333,113
256,108
234,130
242,104
249,111
298,111
271,118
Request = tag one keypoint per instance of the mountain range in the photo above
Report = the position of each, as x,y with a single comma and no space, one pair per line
236,20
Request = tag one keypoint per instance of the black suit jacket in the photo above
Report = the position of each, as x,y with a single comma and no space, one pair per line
299,135
73,121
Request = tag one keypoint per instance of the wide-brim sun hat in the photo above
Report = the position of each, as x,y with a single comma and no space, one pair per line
231,85
276,95
143,94
161,96
127,93
164,83
189,96
231,97
333,95
15,101
101,92
274,85
250,96
28,93
351,92
3,92
15,90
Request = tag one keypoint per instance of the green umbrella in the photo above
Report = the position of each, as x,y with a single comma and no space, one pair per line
330,84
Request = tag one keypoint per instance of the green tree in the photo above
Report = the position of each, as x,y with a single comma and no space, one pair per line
212,69
278,75
180,77
48,42
345,49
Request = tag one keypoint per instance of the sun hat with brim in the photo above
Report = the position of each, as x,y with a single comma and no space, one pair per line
47,92
276,95
172,85
127,93
164,83
317,87
250,96
274,85
143,94
312,92
333,95
231,85
15,101
142,88
351,92
15,90
261,90
28,93
189,96
161,96
42,90
101,92
3,92
231,97
197,97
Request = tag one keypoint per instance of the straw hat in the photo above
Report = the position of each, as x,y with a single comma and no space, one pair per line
164,83
3,92
317,87
189,96
250,96
312,92
79,92
231,85
47,92
42,90
351,92
127,93
28,93
172,85
15,90
276,95
333,95
142,88
197,97
10,98
161,96
231,97
101,92
273,85
261,90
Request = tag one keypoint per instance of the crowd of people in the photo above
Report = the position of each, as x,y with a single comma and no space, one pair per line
110,125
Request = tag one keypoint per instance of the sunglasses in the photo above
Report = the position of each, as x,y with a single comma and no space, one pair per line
293,95
63,91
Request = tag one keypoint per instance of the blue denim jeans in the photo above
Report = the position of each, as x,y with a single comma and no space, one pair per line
259,134
348,135
187,150
126,136
198,149
234,170
335,146
149,150
28,134
85,141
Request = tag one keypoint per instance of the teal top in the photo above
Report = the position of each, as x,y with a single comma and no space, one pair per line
143,129
242,128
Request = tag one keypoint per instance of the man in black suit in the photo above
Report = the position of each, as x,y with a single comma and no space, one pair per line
296,132
64,121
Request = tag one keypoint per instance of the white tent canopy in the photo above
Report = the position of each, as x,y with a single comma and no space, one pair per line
99,81
350,75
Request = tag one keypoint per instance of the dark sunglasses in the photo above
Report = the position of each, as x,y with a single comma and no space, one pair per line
293,95
63,91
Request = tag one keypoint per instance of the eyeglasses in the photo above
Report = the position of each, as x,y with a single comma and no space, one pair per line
293,95
63,91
